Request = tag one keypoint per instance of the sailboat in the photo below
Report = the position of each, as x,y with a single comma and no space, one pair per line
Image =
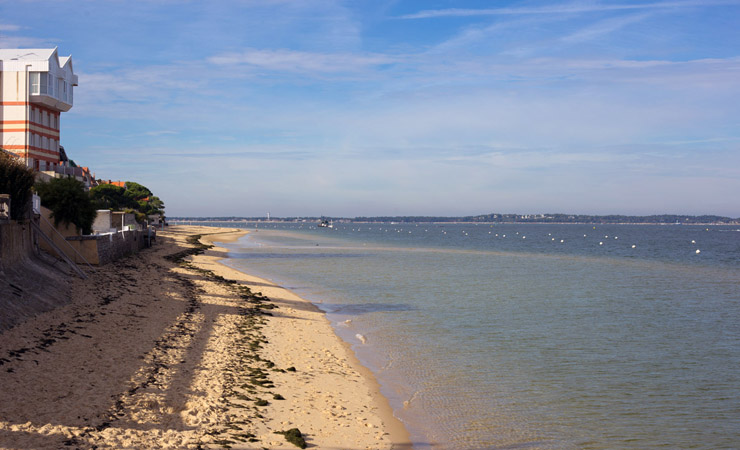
326,224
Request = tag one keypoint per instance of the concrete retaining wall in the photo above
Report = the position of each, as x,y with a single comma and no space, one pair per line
28,285
105,248
16,243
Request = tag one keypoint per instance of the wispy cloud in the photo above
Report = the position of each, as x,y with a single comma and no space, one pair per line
23,42
161,132
299,61
9,38
604,27
269,154
571,8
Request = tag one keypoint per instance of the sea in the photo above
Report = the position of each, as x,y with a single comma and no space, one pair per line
529,336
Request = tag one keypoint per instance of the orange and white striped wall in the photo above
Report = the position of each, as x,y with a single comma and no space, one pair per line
30,113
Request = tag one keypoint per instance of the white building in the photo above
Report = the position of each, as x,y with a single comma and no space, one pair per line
36,86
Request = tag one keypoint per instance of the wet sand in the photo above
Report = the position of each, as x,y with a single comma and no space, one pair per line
163,351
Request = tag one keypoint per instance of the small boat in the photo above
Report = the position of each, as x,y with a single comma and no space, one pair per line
326,224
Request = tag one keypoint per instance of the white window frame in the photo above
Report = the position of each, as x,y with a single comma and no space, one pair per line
34,83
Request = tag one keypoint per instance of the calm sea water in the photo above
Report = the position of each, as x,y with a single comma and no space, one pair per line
530,336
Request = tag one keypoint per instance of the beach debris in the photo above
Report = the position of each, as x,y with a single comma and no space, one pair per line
361,338
294,436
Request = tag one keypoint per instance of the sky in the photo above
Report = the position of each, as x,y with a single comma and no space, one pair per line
378,107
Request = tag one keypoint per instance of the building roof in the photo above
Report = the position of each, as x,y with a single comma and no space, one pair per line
27,54
36,60
121,184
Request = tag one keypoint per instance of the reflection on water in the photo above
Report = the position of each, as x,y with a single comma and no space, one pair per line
524,341
364,308
317,255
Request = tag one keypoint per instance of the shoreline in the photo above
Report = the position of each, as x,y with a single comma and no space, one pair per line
169,349
291,304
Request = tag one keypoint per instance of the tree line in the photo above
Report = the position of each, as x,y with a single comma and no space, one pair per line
68,199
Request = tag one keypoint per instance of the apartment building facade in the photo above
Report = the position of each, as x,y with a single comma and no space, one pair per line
36,86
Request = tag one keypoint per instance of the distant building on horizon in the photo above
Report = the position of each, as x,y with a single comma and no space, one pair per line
36,86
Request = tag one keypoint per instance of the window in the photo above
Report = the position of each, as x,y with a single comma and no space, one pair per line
34,80
43,84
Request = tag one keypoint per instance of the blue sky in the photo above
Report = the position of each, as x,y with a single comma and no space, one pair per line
362,107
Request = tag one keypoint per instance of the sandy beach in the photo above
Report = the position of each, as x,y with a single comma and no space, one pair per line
171,349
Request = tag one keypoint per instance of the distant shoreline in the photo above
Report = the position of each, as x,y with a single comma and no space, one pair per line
179,220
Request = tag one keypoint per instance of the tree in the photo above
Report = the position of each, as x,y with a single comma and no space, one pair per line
68,202
17,180
147,202
137,191
154,205
109,196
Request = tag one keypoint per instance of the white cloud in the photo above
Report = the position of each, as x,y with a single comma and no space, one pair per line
570,8
299,61
604,27
23,42
160,132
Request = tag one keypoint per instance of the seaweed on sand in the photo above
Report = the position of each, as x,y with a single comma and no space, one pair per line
294,436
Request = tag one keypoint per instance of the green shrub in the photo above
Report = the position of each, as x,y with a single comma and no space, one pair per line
17,180
68,202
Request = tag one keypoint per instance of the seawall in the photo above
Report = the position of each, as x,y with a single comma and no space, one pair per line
29,285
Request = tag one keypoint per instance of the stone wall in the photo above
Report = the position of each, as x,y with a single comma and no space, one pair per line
105,248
